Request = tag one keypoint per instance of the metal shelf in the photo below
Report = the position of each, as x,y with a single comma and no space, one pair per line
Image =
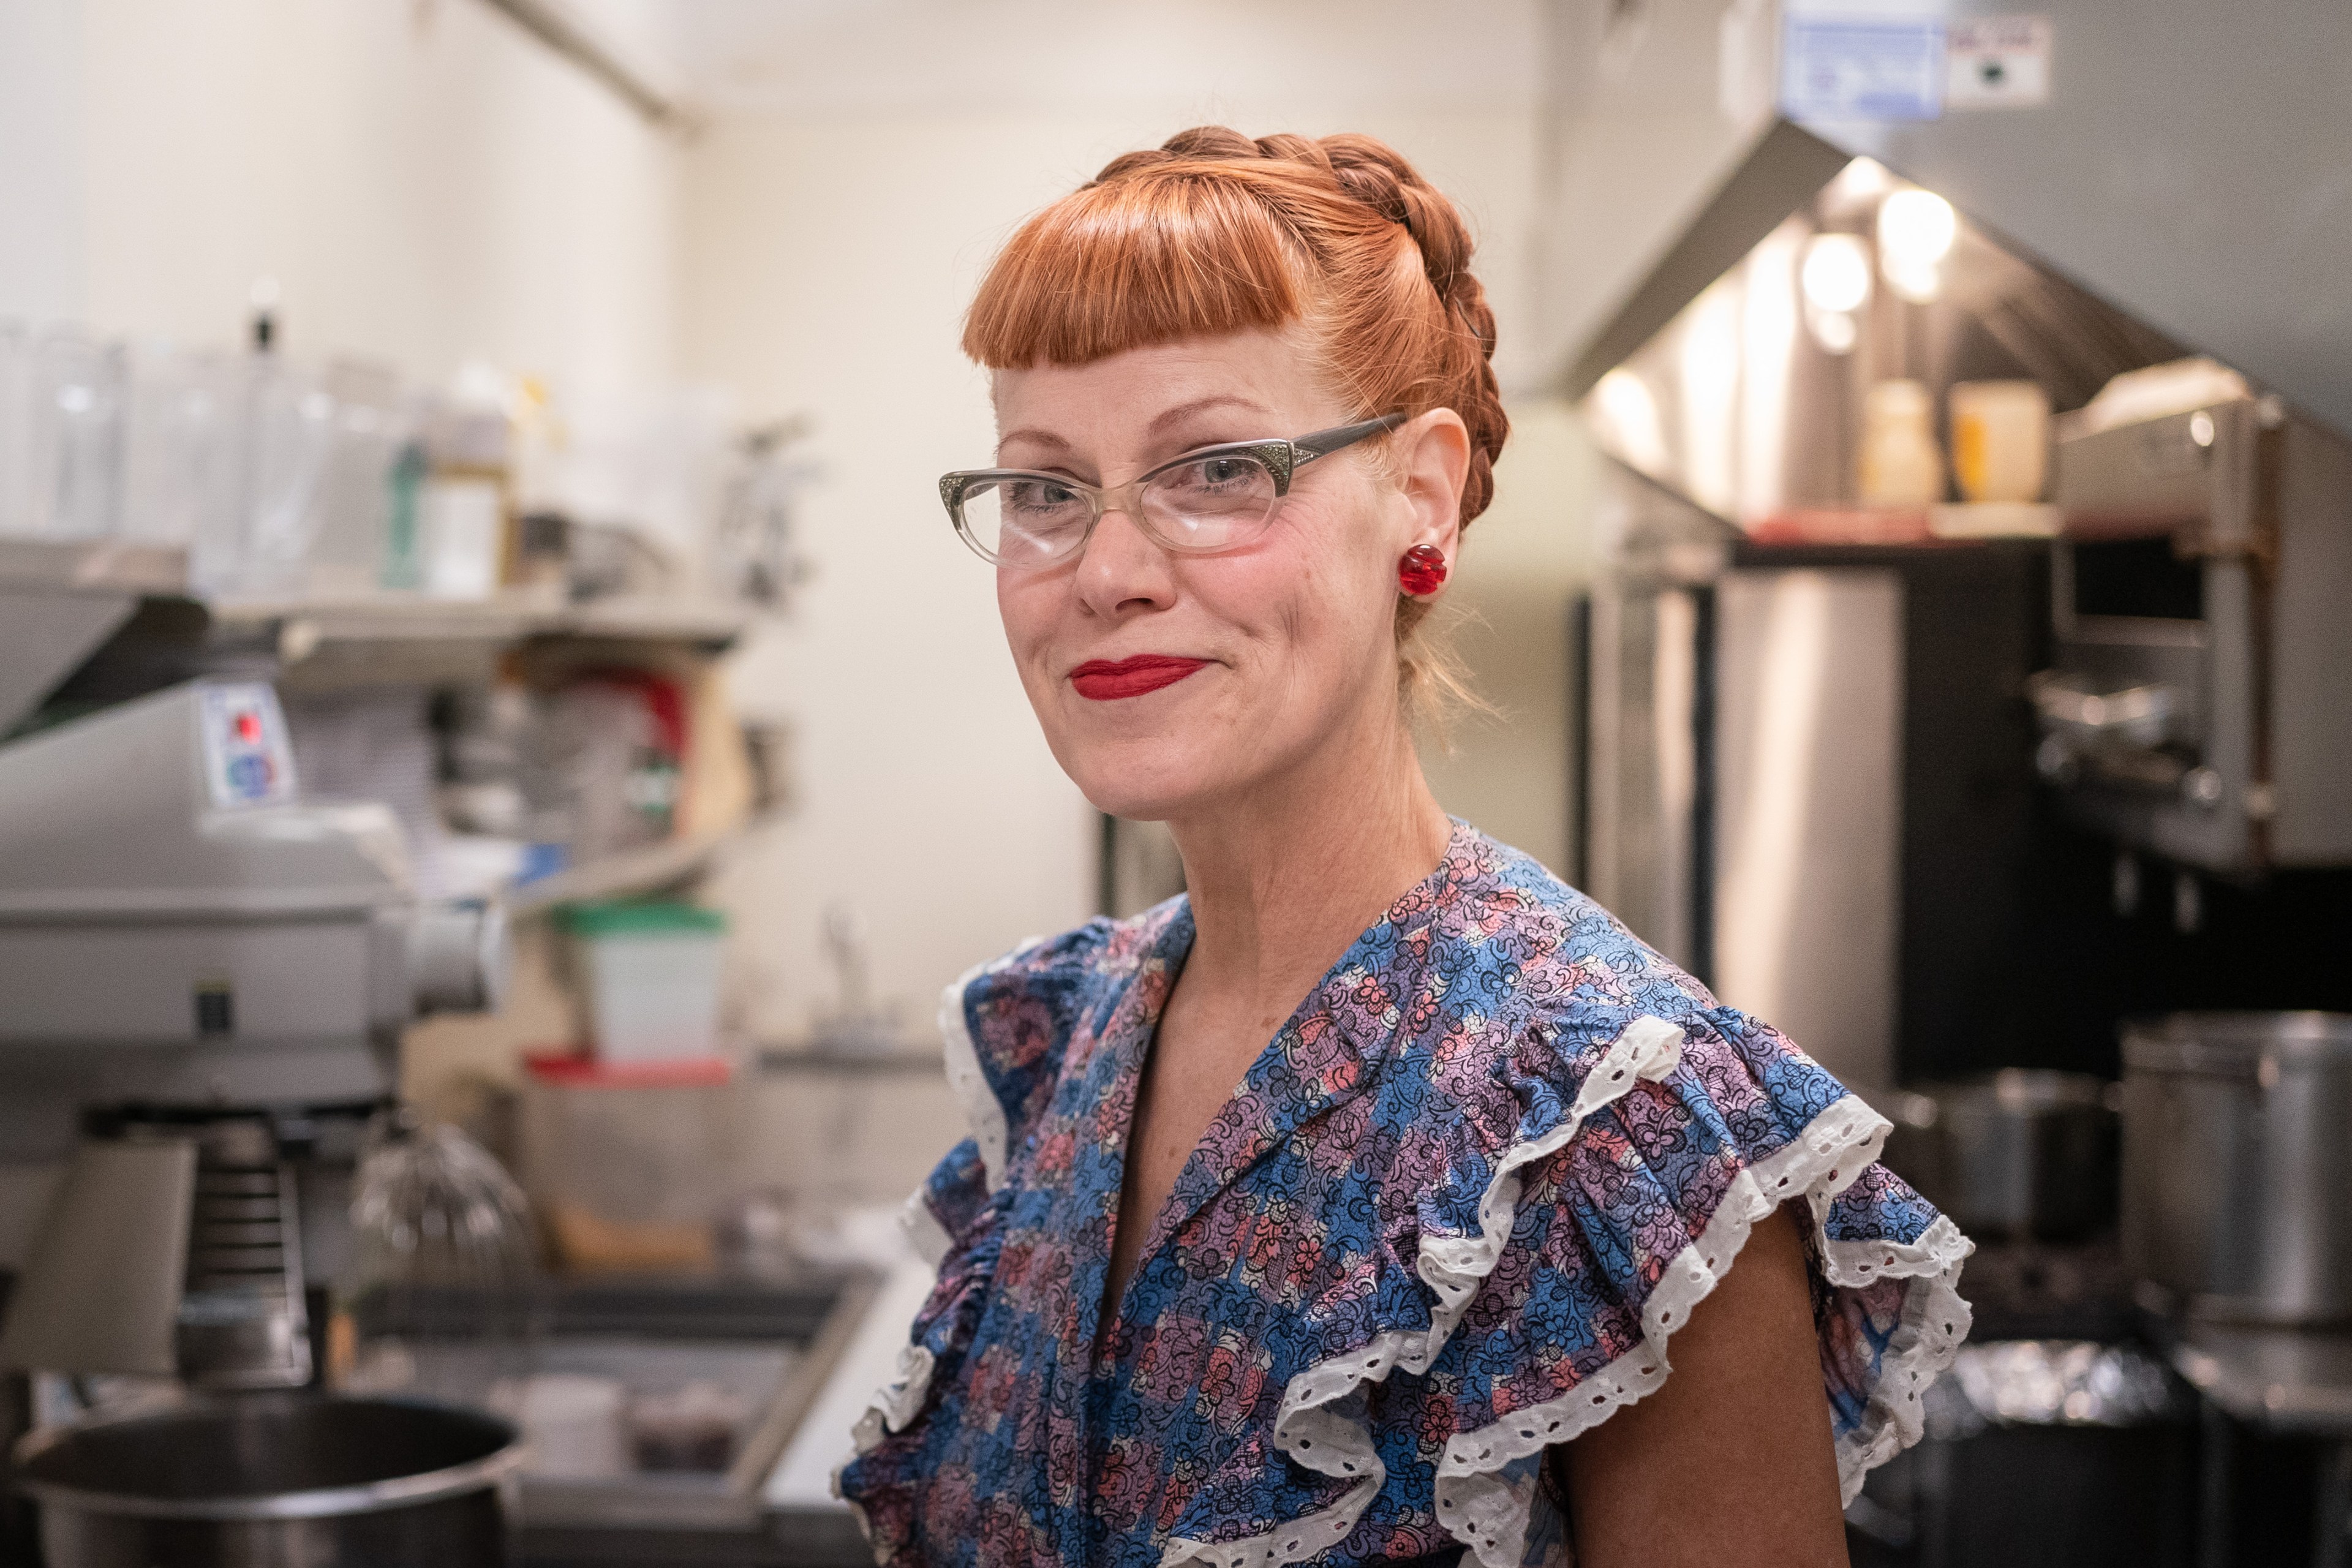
507,617
377,640
61,599
92,566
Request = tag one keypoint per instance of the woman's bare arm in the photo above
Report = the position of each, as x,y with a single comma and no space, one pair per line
1731,1461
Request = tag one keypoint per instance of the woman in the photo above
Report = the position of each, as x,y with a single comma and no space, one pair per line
1395,1296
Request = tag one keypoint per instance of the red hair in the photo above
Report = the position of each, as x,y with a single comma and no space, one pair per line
1215,233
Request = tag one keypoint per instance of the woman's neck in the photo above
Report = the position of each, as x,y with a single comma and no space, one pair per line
1283,881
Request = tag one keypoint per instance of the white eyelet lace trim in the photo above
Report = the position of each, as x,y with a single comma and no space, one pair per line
923,1228
982,1112
1485,1512
1330,1444
1481,1507
900,1400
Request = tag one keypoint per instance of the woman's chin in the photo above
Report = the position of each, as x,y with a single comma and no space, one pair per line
1138,802
1149,788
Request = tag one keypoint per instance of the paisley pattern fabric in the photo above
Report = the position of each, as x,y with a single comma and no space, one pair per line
1452,1217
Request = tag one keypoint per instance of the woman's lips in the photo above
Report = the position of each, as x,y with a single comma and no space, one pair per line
1102,680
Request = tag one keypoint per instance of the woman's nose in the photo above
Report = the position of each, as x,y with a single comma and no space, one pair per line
1121,570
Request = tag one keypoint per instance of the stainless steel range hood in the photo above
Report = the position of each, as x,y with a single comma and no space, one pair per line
2181,193
2188,168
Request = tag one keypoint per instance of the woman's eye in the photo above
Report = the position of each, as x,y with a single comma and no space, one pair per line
1039,498
1214,475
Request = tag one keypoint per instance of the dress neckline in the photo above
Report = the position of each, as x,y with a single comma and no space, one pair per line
1311,1063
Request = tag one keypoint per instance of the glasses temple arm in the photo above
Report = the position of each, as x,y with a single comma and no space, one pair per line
1323,443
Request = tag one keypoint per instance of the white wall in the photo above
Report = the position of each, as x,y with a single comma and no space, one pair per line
426,184
827,264
40,164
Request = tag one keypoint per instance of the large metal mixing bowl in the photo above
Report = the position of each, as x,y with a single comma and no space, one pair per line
274,1481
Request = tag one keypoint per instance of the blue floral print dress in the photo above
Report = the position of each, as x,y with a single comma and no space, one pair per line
1452,1217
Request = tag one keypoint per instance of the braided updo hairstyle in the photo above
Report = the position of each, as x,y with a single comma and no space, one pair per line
1214,232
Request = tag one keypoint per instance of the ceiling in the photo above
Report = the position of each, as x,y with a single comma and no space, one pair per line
728,57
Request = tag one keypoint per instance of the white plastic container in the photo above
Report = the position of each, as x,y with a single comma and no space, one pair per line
576,1423
650,973
2000,440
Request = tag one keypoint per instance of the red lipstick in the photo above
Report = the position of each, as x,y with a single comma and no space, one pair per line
1102,680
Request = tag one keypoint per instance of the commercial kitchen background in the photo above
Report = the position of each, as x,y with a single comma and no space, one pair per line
785,227
429,187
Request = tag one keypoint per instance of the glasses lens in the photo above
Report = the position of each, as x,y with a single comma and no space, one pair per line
1024,521
1211,504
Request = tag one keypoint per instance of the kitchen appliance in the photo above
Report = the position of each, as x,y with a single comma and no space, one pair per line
432,1209
201,968
275,1480
2021,1154
1812,744
2237,1174
2196,705
1899,785
175,1247
1811,783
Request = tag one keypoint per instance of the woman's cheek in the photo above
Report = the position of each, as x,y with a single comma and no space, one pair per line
1028,617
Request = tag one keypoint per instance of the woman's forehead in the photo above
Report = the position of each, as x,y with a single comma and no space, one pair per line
1267,379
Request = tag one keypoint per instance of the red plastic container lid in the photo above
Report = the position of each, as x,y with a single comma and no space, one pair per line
568,1070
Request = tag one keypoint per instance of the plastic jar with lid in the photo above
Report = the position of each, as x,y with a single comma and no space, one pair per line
1901,464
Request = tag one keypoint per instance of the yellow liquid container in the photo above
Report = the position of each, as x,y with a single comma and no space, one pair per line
2000,440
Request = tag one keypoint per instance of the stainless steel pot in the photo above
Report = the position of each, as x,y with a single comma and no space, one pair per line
274,1481
2237,1164
2021,1154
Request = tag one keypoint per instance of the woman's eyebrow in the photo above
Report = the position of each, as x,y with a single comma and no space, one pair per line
1184,411
1160,424
1040,437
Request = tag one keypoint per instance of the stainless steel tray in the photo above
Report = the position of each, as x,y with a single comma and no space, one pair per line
772,1344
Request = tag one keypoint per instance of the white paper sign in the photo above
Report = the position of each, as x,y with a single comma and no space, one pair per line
1997,62
1862,67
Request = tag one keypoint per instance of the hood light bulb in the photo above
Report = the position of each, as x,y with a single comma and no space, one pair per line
1836,272
1916,230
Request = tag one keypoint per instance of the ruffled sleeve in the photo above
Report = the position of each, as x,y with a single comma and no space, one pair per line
1564,1182
1002,1027
1645,1146
1005,1026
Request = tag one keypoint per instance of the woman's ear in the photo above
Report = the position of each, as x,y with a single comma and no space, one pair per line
1433,457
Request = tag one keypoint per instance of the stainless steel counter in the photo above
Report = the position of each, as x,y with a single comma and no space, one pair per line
779,1344
2274,1381
2284,1380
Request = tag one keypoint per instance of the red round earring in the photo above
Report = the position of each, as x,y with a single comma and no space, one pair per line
1422,570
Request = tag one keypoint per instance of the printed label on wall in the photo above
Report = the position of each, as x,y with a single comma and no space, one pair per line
1997,62
1863,67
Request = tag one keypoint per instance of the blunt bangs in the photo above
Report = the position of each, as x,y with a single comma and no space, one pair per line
1173,253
